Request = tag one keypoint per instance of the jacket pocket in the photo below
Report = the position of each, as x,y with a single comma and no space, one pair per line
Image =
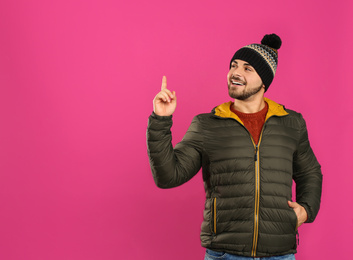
214,216
296,220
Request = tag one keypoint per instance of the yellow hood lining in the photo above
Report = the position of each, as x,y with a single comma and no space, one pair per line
274,109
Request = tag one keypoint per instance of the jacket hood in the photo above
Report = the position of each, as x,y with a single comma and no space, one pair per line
274,109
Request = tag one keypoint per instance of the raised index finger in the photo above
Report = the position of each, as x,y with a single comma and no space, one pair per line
164,83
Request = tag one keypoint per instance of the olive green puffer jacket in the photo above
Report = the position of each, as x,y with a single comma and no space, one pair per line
247,186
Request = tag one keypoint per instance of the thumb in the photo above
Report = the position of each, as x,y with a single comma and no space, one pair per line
291,204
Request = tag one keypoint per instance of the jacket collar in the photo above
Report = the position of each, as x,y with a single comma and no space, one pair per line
274,109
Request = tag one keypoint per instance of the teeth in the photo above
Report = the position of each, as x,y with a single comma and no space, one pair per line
237,83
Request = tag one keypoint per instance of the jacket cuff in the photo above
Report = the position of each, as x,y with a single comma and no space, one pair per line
154,115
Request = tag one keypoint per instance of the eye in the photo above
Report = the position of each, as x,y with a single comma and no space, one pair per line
248,69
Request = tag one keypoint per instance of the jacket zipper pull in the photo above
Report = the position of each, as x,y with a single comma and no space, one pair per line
297,238
255,157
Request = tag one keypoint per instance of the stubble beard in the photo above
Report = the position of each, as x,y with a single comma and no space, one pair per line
245,94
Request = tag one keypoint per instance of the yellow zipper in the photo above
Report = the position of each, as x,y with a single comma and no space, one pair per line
257,195
214,216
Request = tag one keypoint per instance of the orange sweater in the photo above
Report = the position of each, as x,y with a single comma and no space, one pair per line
253,122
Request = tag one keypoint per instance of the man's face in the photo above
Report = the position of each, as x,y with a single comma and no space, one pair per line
243,81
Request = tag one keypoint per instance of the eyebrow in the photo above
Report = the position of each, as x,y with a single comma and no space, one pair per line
245,64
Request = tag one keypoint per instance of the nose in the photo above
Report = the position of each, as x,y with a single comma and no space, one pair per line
236,72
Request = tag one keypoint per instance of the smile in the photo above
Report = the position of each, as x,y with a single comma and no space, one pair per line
237,83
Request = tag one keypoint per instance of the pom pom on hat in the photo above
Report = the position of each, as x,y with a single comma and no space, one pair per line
272,40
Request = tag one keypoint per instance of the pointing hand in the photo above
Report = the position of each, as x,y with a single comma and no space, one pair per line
164,103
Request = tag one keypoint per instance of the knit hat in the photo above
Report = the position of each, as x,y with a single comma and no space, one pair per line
263,57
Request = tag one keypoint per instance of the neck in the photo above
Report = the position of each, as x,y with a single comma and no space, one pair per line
251,105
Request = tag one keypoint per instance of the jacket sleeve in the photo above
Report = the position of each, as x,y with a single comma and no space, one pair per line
307,175
170,166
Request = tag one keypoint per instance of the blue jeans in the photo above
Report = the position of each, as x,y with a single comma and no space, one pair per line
213,255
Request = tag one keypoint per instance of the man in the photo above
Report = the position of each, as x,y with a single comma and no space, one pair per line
250,150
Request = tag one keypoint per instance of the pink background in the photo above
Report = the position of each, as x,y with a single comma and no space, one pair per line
77,80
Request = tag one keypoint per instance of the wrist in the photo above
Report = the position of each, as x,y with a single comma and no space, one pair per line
305,207
154,115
